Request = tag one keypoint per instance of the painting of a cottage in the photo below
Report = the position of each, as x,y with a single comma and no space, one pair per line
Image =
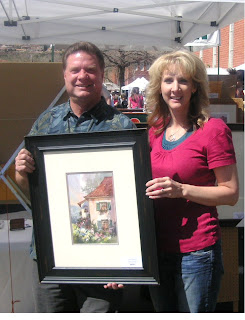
93,217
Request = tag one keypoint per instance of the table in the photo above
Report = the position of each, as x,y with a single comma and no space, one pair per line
14,248
229,290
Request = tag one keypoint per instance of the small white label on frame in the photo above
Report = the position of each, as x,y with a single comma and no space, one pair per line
131,262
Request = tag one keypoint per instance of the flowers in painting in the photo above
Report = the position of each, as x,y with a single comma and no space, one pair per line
85,233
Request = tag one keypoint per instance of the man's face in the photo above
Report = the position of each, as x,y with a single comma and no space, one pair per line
83,78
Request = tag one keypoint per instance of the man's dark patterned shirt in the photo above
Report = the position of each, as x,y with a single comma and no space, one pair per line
61,119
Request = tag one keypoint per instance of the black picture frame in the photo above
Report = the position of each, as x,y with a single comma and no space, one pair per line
132,143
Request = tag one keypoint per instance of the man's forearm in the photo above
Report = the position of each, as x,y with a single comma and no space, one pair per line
23,183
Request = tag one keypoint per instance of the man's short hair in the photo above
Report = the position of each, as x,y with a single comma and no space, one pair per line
87,47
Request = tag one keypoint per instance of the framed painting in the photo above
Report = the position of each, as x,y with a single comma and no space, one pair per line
226,112
92,222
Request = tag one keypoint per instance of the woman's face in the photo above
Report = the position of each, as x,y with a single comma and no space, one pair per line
176,90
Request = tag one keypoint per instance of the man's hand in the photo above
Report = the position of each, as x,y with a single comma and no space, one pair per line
24,162
113,286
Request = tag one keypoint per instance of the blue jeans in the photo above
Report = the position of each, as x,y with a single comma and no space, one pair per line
190,282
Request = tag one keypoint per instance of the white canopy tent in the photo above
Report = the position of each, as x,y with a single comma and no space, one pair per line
241,67
214,71
206,42
111,86
141,83
145,24
209,41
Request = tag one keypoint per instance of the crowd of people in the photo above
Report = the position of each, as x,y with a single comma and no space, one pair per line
134,100
193,171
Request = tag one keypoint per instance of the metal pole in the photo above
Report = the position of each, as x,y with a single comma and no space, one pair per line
218,60
52,52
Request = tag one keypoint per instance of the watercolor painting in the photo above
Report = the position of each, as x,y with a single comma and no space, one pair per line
221,115
92,208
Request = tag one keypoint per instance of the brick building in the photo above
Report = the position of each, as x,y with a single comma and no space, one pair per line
231,50
231,54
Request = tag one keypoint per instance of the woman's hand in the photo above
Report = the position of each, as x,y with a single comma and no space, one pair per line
225,192
113,286
164,188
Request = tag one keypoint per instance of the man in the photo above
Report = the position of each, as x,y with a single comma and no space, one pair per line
86,110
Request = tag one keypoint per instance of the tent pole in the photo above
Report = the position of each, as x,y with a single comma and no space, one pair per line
218,61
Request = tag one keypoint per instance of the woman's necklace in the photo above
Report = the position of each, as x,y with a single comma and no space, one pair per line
172,137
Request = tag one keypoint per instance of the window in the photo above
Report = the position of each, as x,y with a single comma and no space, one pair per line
103,206
142,66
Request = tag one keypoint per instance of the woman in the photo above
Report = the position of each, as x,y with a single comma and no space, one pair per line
194,170
136,99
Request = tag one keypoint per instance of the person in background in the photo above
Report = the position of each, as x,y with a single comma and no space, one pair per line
124,102
85,111
144,100
240,84
239,78
136,99
194,171
117,100
112,99
106,94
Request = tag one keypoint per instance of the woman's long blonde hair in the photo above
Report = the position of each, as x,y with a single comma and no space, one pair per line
191,66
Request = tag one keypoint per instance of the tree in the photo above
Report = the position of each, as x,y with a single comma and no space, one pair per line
119,60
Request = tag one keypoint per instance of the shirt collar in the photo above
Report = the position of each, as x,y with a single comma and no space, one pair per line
96,113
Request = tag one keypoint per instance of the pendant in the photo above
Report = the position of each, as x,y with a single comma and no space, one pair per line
172,138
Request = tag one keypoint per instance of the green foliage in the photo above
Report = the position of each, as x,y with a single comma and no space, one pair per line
91,235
